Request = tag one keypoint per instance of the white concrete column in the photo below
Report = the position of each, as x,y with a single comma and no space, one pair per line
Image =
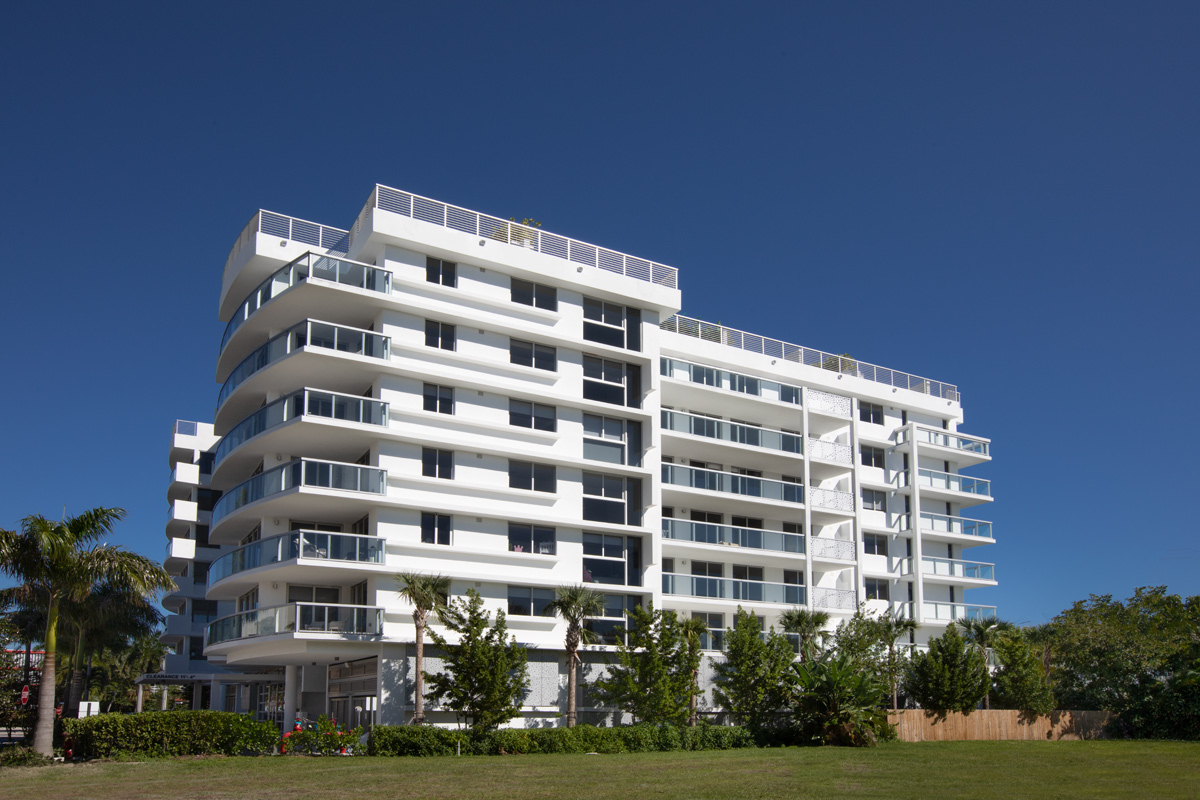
291,688
139,698
215,701
164,697
197,695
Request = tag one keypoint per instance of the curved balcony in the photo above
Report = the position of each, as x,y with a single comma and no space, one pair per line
754,538
334,549
300,474
303,404
729,589
319,271
296,618
727,482
308,334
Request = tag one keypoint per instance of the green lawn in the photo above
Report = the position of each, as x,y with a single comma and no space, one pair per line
934,769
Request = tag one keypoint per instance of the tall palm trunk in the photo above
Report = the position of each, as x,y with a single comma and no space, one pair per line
572,686
419,681
43,732
75,689
895,680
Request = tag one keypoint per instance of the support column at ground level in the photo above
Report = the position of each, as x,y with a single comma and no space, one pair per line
165,692
291,688
215,701
138,707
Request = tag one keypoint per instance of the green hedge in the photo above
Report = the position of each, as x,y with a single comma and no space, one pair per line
170,733
423,740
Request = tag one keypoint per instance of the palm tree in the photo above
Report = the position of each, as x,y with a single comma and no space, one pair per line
982,632
895,627
61,561
808,627
573,604
426,593
692,630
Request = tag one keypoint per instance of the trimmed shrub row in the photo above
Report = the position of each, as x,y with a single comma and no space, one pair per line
422,740
170,733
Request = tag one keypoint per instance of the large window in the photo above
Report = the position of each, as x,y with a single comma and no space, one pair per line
528,475
313,594
531,539
714,637
439,334
611,324
873,500
435,528
530,354
439,398
612,559
534,294
616,441
204,610
437,463
200,572
439,271
742,572
608,498
875,544
538,416
870,412
607,381
877,589
606,626
870,456
524,601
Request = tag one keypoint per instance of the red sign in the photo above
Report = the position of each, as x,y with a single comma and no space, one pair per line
24,695
58,711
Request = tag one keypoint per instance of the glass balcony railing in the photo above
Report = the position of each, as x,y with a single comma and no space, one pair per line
732,432
309,333
951,612
309,265
298,544
306,402
953,441
301,472
296,617
730,381
728,589
954,482
962,526
745,485
704,533
957,568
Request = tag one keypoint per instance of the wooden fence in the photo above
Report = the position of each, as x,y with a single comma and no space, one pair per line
912,725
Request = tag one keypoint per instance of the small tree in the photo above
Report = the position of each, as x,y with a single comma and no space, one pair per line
486,672
574,604
895,627
838,701
865,638
809,629
1020,678
426,593
982,634
692,630
652,676
952,676
754,679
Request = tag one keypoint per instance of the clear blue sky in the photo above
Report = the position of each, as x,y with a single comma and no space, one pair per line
1004,196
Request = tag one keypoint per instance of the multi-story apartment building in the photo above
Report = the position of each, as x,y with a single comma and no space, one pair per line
440,391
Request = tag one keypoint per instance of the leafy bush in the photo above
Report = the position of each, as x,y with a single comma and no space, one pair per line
326,739
170,733
422,740
18,756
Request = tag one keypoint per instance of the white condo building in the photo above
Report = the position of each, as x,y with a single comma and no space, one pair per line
440,391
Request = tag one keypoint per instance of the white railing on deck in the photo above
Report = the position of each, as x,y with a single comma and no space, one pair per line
775,348
334,241
502,230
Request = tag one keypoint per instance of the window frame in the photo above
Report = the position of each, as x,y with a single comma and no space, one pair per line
437,269
868,411
441,461
442,398
541,356
878,500
436,527
536,293
536,419
441,335
541,477
528,534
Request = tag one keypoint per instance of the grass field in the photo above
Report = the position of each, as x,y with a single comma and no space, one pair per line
933,769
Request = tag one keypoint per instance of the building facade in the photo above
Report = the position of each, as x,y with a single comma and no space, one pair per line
435,390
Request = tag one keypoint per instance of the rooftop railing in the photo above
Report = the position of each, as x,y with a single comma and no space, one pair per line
333,240
504,231
775,348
